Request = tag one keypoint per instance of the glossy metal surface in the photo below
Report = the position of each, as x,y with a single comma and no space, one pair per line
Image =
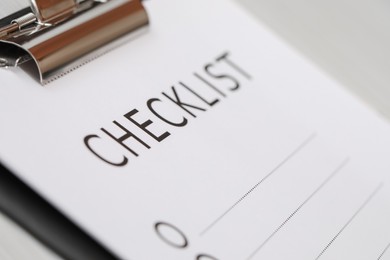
53,11
56,45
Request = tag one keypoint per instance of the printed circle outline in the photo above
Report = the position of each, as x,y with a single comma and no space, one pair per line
178,231
201,256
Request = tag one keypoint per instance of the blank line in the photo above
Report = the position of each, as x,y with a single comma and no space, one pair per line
333,174
298,149
383,252
351,219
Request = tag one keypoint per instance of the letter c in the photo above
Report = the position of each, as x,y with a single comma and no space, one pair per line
87,143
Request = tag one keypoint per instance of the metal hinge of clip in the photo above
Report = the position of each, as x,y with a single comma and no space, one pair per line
60,35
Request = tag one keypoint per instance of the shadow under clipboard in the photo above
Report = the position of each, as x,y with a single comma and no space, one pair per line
45,223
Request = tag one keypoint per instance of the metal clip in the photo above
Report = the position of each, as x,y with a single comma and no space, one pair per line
57,36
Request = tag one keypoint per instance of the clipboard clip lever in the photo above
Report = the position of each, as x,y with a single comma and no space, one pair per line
57,36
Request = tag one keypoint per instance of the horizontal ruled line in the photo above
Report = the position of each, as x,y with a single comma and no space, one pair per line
383,252
323,184
365,203
285,160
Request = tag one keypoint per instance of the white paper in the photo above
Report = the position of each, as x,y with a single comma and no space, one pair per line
10,7
286,166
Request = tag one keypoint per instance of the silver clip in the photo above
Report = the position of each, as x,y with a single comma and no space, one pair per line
57,36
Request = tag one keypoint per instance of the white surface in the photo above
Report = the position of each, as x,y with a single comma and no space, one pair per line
16,244
10,6
333,34
349,39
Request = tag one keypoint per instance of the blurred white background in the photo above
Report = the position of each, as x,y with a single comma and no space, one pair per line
349,39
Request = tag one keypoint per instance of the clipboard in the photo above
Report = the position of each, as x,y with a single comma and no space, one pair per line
50,38
45,223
